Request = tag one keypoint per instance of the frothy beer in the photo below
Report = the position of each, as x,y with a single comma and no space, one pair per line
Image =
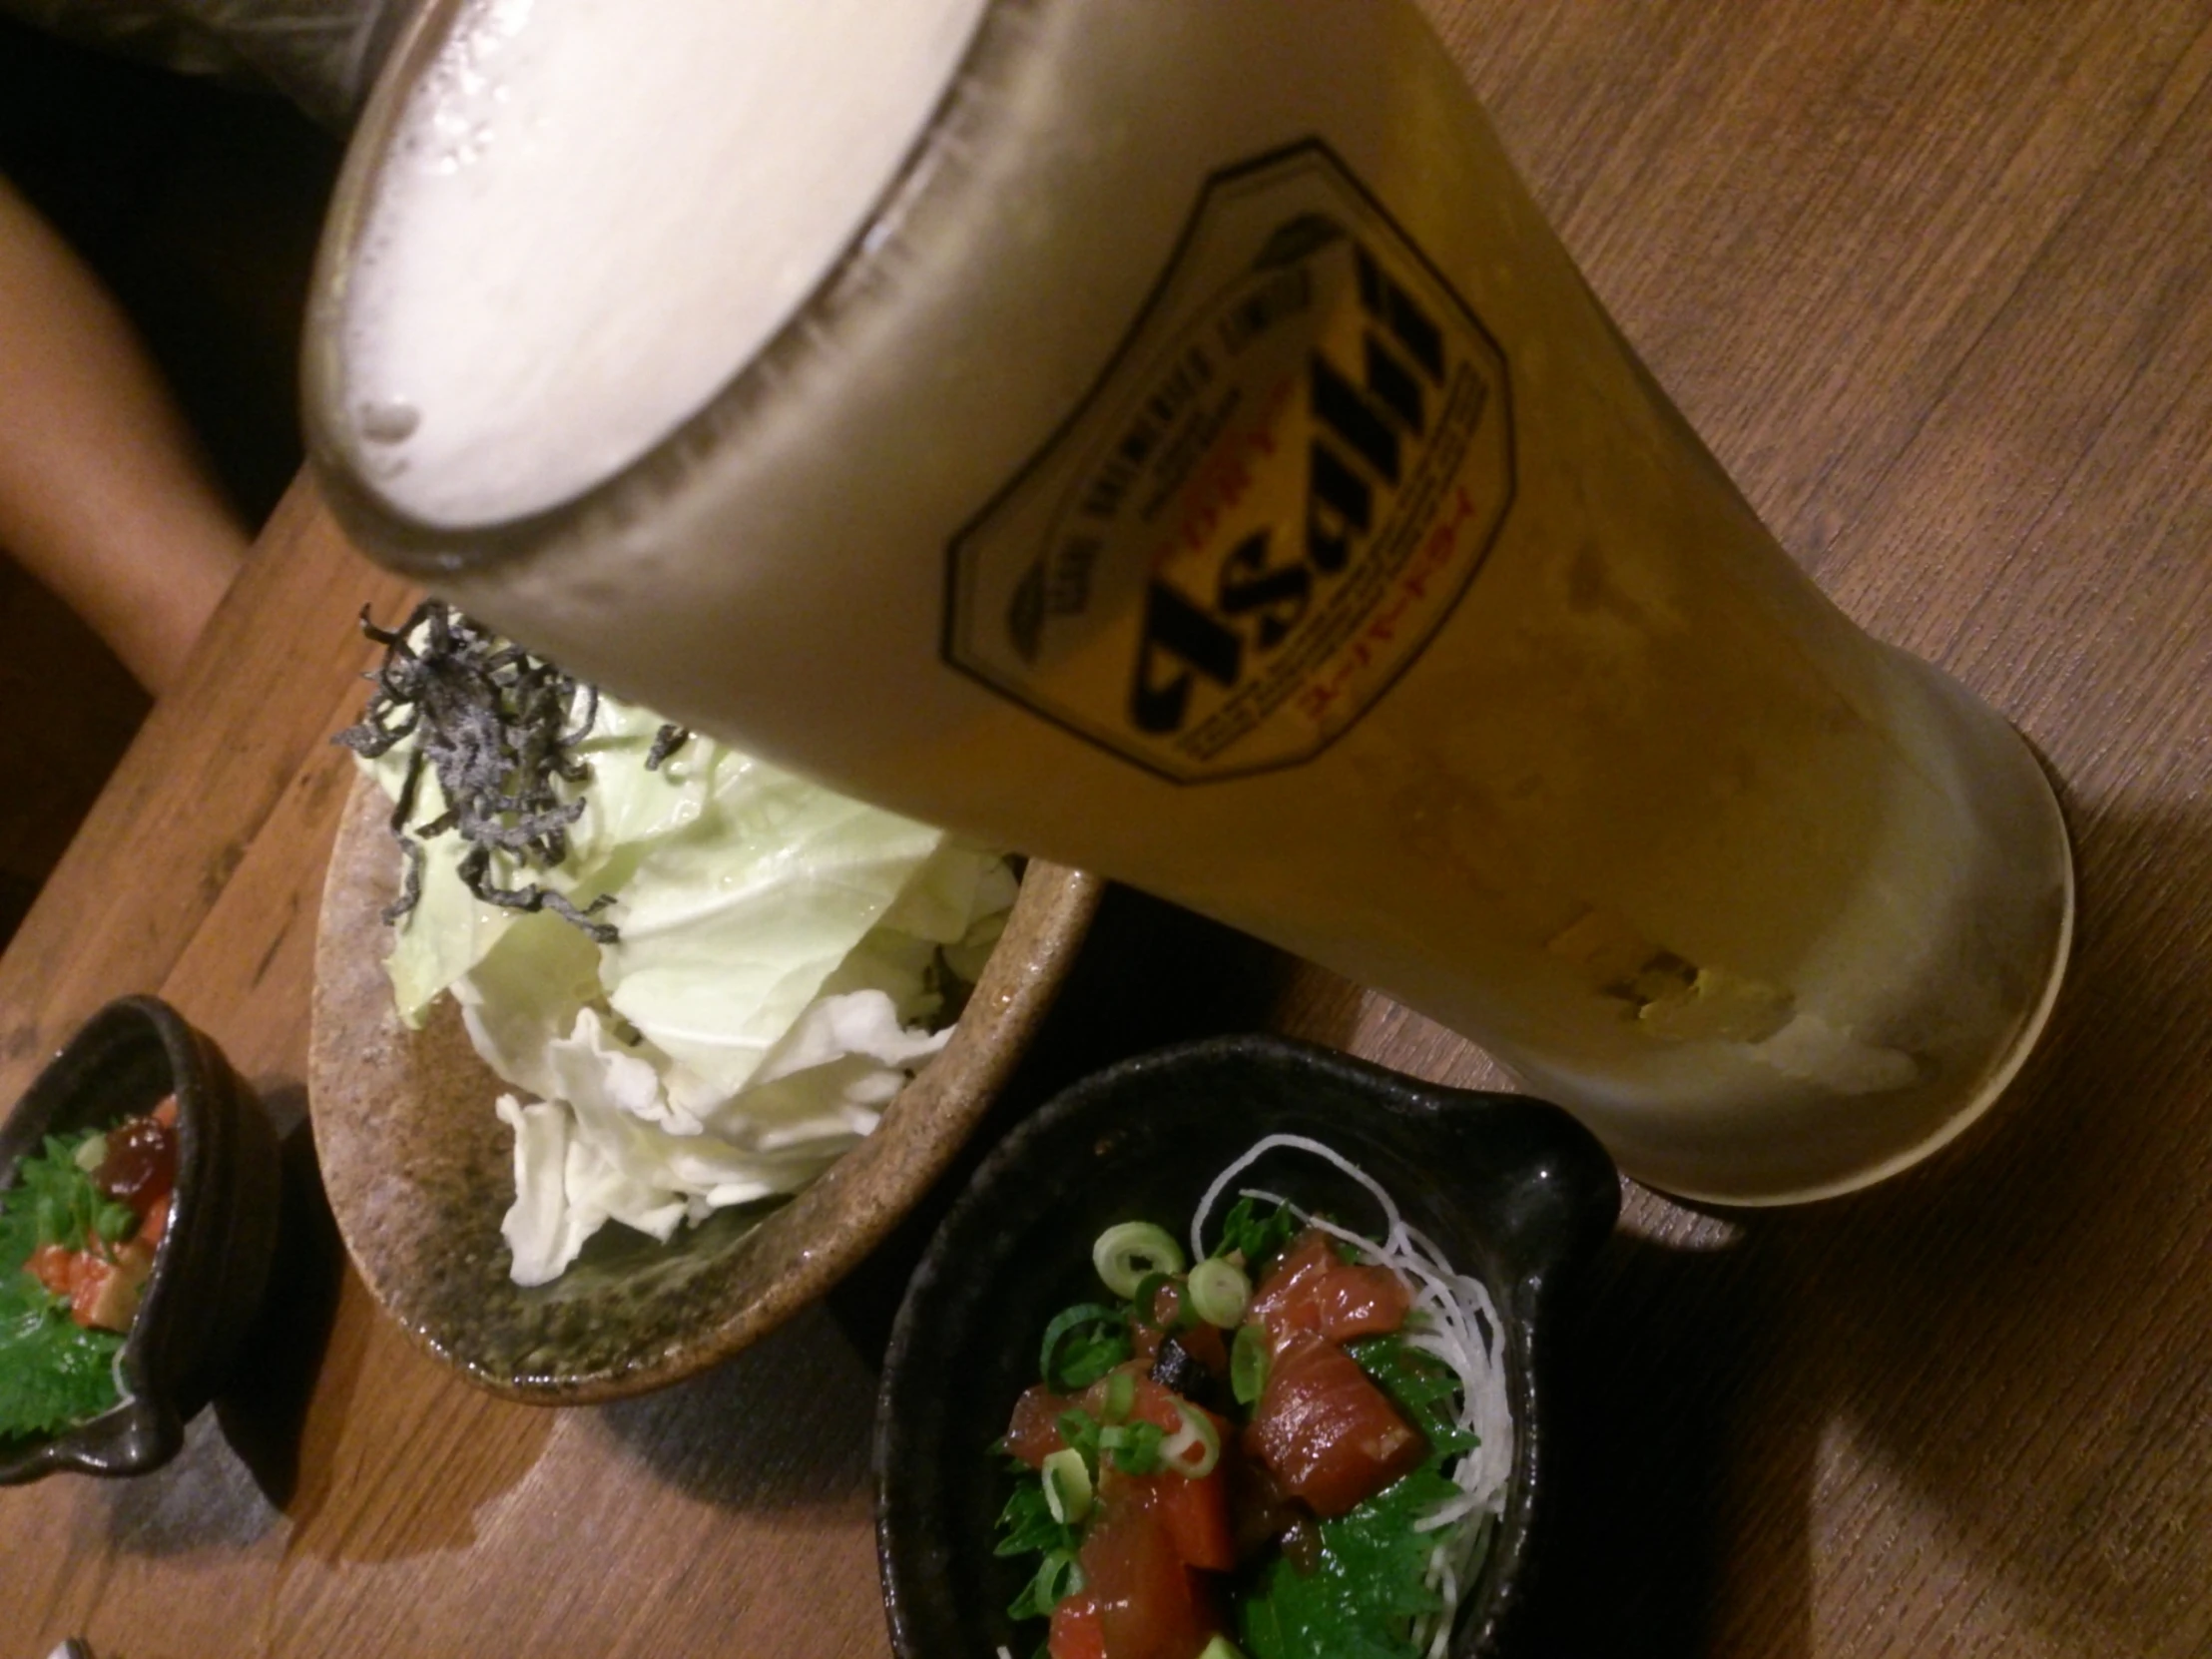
1167,439
543,289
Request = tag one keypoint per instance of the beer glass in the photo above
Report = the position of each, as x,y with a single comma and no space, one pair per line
1202,464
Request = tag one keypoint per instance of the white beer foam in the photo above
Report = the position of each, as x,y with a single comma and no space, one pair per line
595,213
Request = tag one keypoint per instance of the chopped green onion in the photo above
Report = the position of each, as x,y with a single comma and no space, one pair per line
1067,1486
1195,1447
90,1152
1247,1363
1080,1430
1146,1297
1221,1647
1218,1293
1135,1447
1147,1302
1121,1395
1083,1344
1126,1253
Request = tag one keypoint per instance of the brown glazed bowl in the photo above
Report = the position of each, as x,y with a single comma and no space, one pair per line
1509,1189
419,1170
213,1262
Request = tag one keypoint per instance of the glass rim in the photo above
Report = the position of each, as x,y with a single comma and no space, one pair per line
419,546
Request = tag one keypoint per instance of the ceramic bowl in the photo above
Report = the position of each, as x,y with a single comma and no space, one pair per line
213,1264
1508,1188
419,1170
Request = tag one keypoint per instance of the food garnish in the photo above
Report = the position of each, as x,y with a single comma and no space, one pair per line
1297,1447
704,977
78,1236
499,729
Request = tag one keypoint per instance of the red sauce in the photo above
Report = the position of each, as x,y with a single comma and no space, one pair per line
141,1165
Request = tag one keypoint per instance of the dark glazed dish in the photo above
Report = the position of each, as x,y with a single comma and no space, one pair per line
1509,1188
214,1260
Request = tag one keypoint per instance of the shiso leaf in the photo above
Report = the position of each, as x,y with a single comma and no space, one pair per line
1360,1600
53,1374
1421,1386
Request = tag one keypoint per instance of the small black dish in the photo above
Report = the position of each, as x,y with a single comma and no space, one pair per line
1508,1187
213,1264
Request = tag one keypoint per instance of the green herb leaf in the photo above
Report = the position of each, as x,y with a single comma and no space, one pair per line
62,1196
1083,1344
53,1372
1361,1597
1057,1578
114,1222
1026,1525
1255,1232
1421,1386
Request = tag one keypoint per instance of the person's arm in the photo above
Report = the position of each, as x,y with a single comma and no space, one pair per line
103,496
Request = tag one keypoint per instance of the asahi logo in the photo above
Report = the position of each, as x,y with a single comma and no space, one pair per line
1272,500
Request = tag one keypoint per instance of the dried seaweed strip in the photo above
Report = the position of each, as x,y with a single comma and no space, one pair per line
666,742
498,729
410,886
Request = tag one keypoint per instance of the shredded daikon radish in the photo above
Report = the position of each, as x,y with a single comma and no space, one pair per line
1453,1319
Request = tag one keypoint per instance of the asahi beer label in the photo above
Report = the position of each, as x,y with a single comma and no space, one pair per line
1267,506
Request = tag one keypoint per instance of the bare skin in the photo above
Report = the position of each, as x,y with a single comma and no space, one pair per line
103,495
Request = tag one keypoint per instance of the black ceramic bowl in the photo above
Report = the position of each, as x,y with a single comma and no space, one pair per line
214,1260
1508,1188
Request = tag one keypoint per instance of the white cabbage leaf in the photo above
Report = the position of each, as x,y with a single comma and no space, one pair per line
730,928
772,986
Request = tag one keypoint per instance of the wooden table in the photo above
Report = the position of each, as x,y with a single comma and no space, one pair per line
1934,278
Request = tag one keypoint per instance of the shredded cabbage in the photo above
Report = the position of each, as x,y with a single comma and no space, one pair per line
775,982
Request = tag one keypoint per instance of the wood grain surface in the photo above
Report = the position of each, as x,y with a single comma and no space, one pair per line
1931,277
